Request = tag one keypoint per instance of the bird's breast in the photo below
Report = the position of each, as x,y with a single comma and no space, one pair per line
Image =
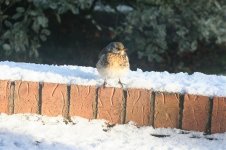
113,65
117,60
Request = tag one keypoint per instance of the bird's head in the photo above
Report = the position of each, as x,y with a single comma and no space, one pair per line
116,47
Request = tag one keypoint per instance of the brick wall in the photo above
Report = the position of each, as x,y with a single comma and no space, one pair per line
144,107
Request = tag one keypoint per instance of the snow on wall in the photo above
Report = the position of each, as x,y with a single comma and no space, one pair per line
196,83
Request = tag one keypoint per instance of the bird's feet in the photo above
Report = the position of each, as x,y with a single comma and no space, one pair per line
120,83
104,84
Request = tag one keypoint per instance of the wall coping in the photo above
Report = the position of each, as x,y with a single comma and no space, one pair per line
197,83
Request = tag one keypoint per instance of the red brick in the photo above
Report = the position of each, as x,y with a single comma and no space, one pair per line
110,104
82,101
166,110
54,97
138,106
195,113
4,96
218,123
26,97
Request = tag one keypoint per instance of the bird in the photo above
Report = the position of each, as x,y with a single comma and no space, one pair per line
113,62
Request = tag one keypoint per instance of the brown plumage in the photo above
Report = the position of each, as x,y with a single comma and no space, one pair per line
113,61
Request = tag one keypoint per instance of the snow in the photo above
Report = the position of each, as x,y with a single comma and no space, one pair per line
34,132
124,8
197,83
27,131
105,8
109,9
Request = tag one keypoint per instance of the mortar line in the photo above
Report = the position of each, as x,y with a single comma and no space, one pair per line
95,104
11,98
181,109
68,102
152,107
40,86
209,121
124,102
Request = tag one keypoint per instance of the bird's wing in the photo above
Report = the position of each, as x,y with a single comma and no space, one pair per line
103,52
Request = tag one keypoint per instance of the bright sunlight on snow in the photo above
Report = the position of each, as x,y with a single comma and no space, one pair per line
34,132
197,83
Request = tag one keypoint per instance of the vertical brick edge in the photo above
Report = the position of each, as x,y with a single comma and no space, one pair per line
152,107
124,100
95,103
209,121
11,98
40,85
67,102
181,108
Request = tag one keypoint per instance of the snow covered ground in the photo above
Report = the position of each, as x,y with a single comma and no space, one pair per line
34,132
197,83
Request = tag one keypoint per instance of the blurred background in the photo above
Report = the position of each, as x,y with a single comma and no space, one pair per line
161,35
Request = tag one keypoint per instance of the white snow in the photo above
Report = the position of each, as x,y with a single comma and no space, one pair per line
124,8
197,83
34,132
109,9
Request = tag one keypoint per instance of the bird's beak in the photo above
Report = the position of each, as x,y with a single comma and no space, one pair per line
125,49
